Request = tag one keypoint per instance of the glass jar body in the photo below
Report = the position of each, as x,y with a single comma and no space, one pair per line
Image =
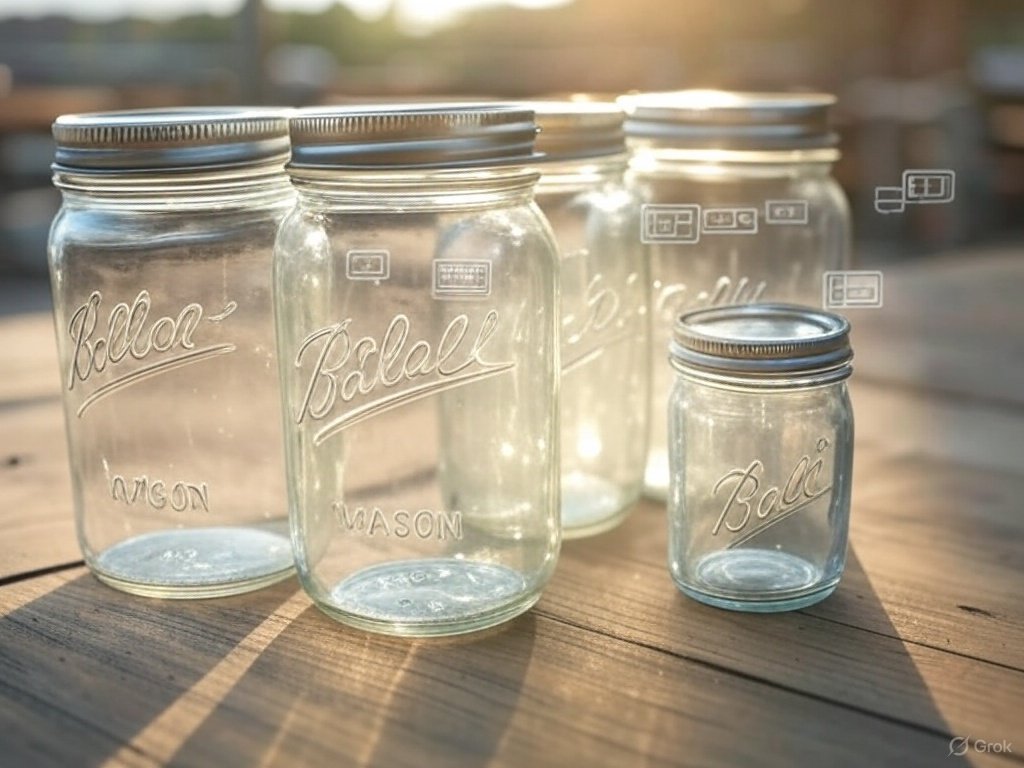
759,496
735,228
604,389
417,333
165,337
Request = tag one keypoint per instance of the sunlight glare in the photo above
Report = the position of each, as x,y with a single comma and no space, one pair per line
426,16
419,17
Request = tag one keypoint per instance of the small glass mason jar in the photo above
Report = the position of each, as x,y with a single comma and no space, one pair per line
760,455
416,297
160,264
739,206
603,409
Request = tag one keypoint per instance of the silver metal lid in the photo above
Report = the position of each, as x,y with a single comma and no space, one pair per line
397,136
762,341
575,130
700,119
170,139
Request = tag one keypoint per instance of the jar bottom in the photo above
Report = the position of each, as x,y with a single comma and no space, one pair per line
591,505
429,597
757,580
189,563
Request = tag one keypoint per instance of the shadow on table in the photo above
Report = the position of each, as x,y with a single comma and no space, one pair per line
264,678
325,694
84,668
841,680
872,673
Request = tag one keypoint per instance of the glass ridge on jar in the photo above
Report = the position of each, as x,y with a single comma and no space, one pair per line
416,287
160,265
739,207
603,408
760,455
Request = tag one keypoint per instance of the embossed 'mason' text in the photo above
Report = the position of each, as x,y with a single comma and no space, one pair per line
745,504
179,496
129,334
389,371
400,523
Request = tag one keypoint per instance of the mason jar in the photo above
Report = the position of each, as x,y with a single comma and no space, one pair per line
739,207
415,287
604,390
160,263
760,455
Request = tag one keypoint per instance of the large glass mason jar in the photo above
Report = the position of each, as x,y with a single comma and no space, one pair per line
603,408
416,289
160,260
760,455
739,207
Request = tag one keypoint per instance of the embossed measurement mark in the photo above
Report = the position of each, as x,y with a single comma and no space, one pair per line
157,494
728,221
424,524
786,212
852,288
670,223
687,223
129,336
461,278
775,504
920,186
368,264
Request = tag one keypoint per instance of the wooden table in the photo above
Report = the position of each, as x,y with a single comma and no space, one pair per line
923,641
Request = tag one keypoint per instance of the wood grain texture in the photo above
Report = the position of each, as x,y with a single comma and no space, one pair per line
918,664
266,679
35,490
30,370
951,324
904,421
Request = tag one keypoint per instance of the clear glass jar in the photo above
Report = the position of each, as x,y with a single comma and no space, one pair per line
160,264
603,409
761,455
416,289
739,207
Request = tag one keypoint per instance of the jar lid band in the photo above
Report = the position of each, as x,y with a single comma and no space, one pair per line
399,136
730,120
577,130
761,341
170,139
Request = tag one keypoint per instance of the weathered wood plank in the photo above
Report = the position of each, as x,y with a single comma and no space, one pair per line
90,676
953,324
30,371
852,648
36,517
894,421
943,547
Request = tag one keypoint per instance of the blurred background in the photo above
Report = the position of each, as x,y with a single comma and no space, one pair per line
921,83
